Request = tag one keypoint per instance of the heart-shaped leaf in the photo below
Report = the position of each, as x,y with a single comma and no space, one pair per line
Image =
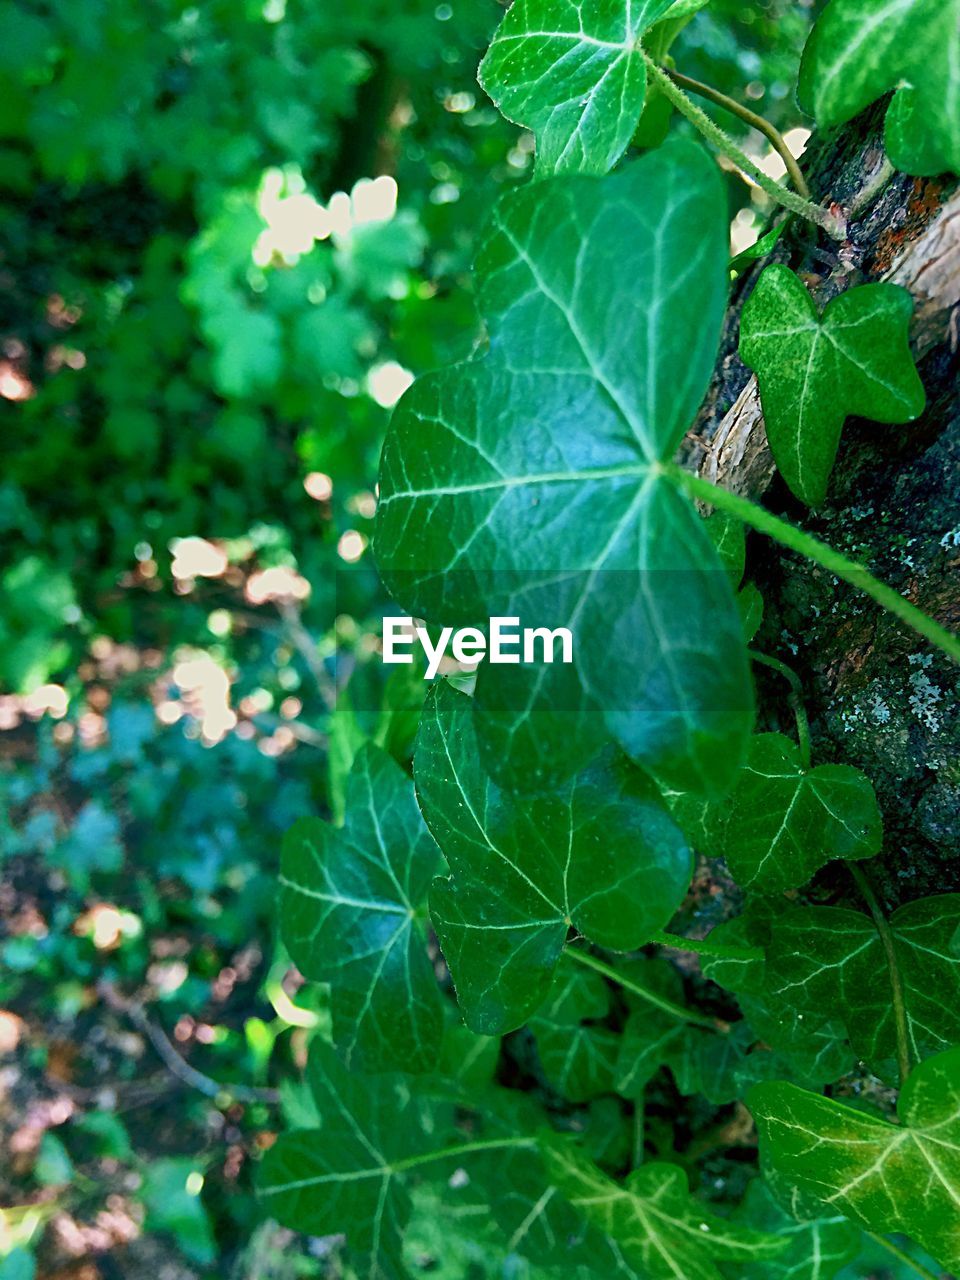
600,853
577,1052
785,821
886,1177
830,962
651,1221
861,49
353,913
816,1249
342,1178
815,371
575,75
529,482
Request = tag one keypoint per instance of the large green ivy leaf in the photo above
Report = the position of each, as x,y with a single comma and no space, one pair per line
341,1177
816,1249
600,853
353,913
830,962
785,821
575,75
577,1052
815,371
528,483
861,49
887,1177
651,1221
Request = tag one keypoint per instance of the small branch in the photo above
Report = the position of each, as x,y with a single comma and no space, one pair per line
834,227
796,700
651,997
769,131
893,968
704,947
306,646
805,544
902,1256
133,1010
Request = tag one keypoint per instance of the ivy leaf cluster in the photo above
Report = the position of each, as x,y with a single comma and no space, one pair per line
498,915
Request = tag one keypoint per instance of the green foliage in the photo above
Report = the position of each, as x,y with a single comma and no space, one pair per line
824,961
886,1177
224,262
600,854
576,76
623,558
784,820
352,910
814,371
861,49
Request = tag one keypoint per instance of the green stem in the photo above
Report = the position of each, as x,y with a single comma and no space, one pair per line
835,227
804,544
902,1256
769,131
796,701
651,997
639,1124
461,1149
893,968
704,947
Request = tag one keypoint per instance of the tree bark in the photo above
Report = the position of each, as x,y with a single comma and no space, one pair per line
878,696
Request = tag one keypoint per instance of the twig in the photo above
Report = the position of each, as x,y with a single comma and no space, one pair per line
306,646
133,1010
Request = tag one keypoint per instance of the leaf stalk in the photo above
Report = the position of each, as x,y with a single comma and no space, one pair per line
652,997
902,1256
796,701
755,121
834,227
893,968
788,535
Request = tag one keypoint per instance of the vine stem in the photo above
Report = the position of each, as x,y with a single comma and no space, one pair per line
893,968
461,1149
805,544
769,131
902,1256
796,701
834,227
704,947
651,997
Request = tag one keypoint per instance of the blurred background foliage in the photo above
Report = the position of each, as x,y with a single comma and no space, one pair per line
231,232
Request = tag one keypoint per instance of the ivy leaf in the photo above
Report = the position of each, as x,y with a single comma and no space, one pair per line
815,371
785,821
576,1051
886,1177
573,74
600,853
353,913
529,482
652,1222
341,1178
861,49
816,1249
830,961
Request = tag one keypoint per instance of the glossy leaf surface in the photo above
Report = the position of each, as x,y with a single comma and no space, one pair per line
815,371
353,913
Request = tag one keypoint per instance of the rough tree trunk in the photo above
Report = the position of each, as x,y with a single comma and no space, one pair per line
877,695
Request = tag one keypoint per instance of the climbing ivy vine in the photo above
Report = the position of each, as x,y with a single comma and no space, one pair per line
520,878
